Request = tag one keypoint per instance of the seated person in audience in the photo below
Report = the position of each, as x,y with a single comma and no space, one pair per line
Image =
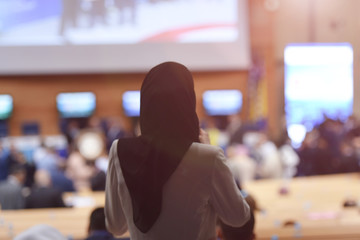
270,165
30,168
47,158
5,162
348,160
98,179
242,166
11,196
43,195
41,232
61,181
97,229
10,157
79,171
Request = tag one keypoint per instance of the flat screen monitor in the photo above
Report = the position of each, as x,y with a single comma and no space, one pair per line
6,106
318,83
222,102
77,36
76,104
131,103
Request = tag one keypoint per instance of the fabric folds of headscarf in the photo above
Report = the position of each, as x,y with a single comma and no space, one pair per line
169,125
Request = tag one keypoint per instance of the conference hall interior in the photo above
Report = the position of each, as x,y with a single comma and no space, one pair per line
277,86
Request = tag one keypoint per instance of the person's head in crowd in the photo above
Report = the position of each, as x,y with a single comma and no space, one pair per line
5,162
97,220
41,232
18,171
246,232
98,179
356,144
310,140
1,148
97,228
168,104
322,143
42,178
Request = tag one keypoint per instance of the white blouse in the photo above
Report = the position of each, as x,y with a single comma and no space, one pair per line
200,189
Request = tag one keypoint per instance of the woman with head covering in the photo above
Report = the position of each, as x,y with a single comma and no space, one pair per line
165,184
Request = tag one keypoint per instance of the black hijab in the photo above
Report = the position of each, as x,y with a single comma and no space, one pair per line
169,125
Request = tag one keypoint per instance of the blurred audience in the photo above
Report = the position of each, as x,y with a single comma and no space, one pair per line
61,181
288,157
47,158
270,165
79,171
43,194
71,130
6,161
11,194
97,179
331,147
114,130
97,229
218,137
242,166
41,232
348,160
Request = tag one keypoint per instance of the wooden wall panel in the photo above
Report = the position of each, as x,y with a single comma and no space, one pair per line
262,46
34,96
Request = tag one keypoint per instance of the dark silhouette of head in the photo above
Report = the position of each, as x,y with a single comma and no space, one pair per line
97,220
168,103
19,172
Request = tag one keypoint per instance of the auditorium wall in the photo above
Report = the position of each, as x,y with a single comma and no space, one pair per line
273,24
302,21
34,96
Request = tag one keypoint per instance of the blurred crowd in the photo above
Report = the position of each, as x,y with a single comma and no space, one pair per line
251,153
37,178
330,147
40,180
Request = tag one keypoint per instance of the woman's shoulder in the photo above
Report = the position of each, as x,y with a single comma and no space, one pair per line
113,148
202,159
206,148
206,151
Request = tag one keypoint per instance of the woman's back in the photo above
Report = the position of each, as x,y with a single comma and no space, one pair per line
201,188
164,184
